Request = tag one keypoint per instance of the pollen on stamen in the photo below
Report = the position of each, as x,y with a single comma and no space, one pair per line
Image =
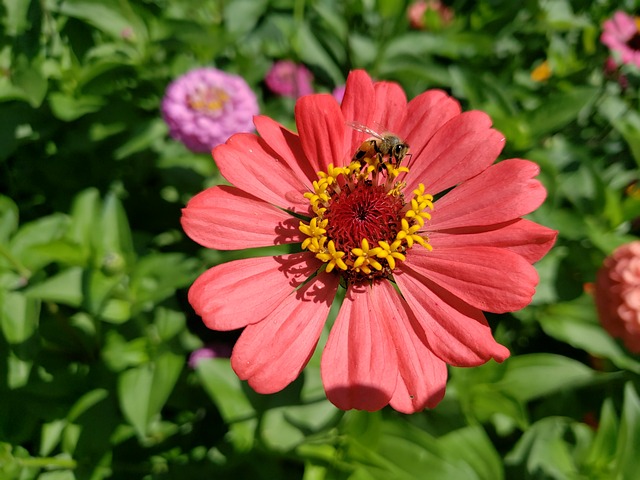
363,225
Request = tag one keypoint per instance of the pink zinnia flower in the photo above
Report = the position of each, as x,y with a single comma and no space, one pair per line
204,107
338,93
617,295
621,35
417,271
289,79
417,10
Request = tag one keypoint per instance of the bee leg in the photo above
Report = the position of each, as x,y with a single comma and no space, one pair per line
382,165
360,154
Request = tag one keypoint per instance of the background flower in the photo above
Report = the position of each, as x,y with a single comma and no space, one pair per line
542,72
621,35
289,79
205,106
338,93
418,11
617,294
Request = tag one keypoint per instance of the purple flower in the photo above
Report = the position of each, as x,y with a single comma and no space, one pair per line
289,79
214,350
621,34
205,106
338,93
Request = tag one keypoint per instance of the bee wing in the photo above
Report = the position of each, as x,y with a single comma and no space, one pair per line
363,128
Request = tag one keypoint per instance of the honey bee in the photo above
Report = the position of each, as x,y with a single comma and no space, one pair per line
380,145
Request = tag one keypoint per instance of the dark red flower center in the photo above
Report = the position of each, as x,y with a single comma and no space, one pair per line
634,42
363,226
368,212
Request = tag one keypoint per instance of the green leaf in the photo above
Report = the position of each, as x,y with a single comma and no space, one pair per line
111,16
8,218
28,78
603,448
50,436
18,371
527,377
15,19
390,8
144,390
118,353
116,311
98,288
576,324
114,244
363,426
488,404
157,276
85,402
241,16
450,44
406,452
169,323
334,19
283,428
65,287
544,451
19,316
14,463
559,109
625,120
39,232
57,475
472,446
313,53
225,389
68,108
628,450
84,211
60,251
142,138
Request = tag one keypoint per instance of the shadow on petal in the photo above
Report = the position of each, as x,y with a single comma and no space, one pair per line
358,397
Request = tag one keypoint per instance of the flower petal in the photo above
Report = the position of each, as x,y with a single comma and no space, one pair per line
286,145
426,114
503,192
219,218
422,376
238,293
455,331
524,237
623,25
390,107
272,353
461,149
359,364
357,106
246,163
491,279
322,131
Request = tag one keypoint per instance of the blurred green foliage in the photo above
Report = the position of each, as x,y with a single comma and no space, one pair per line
95,329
